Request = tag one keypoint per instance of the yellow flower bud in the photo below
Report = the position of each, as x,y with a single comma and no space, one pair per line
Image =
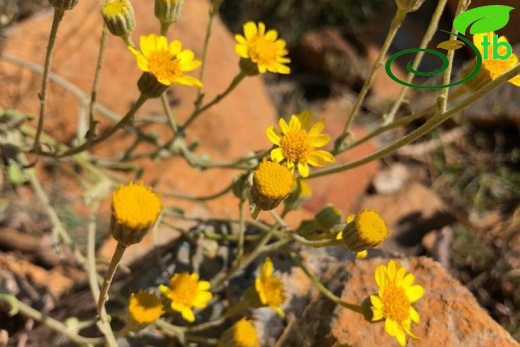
168,11
119,17
367,230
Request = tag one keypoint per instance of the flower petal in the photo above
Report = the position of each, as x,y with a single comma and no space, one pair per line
294,123
273,135
319,140
250,30
188,315
317,127
283,126
305,119
415,292
303,169
202,299
277,155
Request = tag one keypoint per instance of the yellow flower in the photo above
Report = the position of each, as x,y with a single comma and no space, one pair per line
394,300
144,307
263,48
241,334
496,67
272,183
244,334
167,62
186,292
297,146
135,209
366,230
270,288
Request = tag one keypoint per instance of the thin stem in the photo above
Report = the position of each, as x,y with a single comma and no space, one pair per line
432,28
247,260
394,26
198,198
122,122
317,243
198,111
56,325
241,231
164,28
169,113
95,86
58,16
123,331
213,11
323,290
114,262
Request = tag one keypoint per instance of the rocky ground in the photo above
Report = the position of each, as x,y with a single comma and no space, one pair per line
451,199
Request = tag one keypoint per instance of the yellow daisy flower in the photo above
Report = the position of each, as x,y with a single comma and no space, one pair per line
263,49
394,300
135,209
298,146
496,67
270,288
186,292
166,61
144,308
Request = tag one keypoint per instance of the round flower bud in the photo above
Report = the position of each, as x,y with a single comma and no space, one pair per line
63,5
272,183
328,217
168,11
119,17
135,210
367,230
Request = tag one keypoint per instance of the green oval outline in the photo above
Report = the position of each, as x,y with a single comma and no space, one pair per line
475,70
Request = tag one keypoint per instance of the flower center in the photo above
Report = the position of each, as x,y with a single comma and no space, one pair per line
184,289
274,180
163,65
273,291
262,51
296,146
145,307
371,226
396,305
135,206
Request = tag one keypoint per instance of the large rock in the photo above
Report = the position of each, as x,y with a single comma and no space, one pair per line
450,315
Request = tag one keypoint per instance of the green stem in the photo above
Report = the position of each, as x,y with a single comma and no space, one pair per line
95,86
213,11
114,262
394,26
432,28
317,243
198,111
56,325
323,290
169,113
241,231
122,122
58,16
434,121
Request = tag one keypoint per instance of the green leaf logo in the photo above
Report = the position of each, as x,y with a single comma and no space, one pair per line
484,19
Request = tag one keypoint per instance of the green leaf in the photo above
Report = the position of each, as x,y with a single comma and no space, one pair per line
484,19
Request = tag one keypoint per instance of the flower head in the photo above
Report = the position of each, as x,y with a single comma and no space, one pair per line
270,288
272,183
135,209
263,49
119,17
167,62
144,308
366,230
394,300
241,334
298,146
496,67
186,292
